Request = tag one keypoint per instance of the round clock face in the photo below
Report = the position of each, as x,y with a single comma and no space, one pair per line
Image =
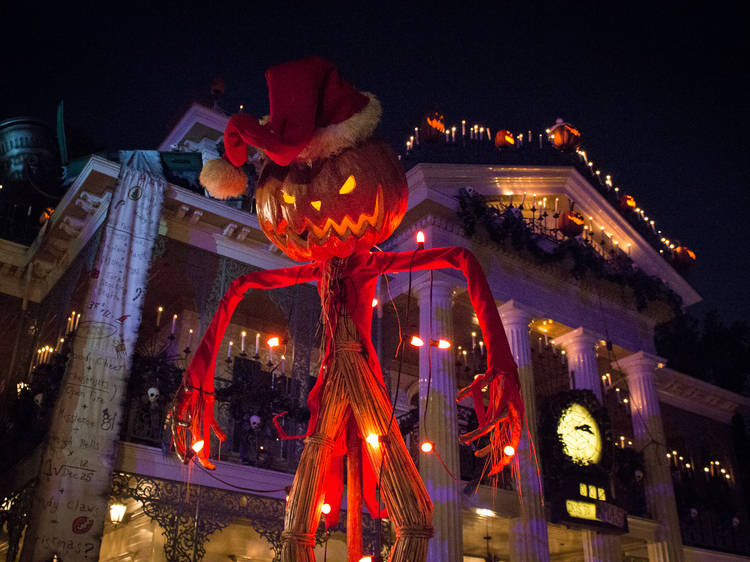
579,432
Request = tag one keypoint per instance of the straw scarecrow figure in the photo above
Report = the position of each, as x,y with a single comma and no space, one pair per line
328,192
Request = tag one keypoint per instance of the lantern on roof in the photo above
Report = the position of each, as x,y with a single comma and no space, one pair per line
504,138
627,203
570,223
564,137
683,257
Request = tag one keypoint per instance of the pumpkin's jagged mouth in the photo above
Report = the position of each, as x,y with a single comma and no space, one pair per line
343,230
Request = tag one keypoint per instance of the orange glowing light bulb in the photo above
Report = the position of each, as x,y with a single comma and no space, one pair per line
443,344
427,446
326,509
509,450
373,440
273,342
375,302
416,341
197,446
420,240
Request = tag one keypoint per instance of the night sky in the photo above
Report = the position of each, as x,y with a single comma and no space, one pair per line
654,90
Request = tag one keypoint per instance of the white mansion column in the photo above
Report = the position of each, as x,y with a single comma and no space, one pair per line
528,533
649,437
579,346
440,425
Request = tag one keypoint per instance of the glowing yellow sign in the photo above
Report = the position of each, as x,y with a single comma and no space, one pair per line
581,510
580,435
591,491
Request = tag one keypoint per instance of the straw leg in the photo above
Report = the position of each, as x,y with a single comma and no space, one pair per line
404,494
306,497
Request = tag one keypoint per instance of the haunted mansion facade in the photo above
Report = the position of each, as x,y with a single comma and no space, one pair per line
624,458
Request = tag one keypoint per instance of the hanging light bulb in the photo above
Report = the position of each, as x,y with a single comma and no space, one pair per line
197,447
373,440
509,450
420,240
427,446
326,509
416,341
273,342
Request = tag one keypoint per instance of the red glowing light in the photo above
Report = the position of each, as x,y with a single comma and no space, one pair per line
420,237
416,341
373,440
273,342
509,451
197,446
374,303
443,344
427,446
326,509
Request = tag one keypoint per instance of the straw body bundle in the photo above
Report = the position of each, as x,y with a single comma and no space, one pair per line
352,390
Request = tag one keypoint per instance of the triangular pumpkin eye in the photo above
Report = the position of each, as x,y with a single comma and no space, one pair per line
348,186
288,199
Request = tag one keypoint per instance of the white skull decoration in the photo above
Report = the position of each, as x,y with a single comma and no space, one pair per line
153,394
638,475
38,399
693,512
255,422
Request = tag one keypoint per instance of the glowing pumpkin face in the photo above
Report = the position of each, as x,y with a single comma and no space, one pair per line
570,223
335,207
504,138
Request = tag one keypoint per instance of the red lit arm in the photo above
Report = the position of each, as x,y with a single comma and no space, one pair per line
193,408
505,411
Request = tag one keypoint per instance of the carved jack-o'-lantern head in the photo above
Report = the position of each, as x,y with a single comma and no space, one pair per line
334,207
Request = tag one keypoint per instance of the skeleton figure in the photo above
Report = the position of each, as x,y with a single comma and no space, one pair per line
329,193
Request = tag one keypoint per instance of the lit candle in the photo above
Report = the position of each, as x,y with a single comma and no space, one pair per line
78,318
283,363
190,337
540,140
270,352
539,344
416,135
242,343
489,135
453,134
529,137
481,346
622,441
473,340
229,349
174,322
257,343
463,128
447,135
158,315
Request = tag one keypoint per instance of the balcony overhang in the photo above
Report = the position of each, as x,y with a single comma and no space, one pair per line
438,185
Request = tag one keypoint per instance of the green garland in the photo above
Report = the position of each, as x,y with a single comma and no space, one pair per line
507,226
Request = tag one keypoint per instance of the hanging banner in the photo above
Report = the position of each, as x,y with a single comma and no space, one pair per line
71,500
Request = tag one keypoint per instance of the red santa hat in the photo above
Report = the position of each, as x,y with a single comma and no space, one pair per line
314,114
